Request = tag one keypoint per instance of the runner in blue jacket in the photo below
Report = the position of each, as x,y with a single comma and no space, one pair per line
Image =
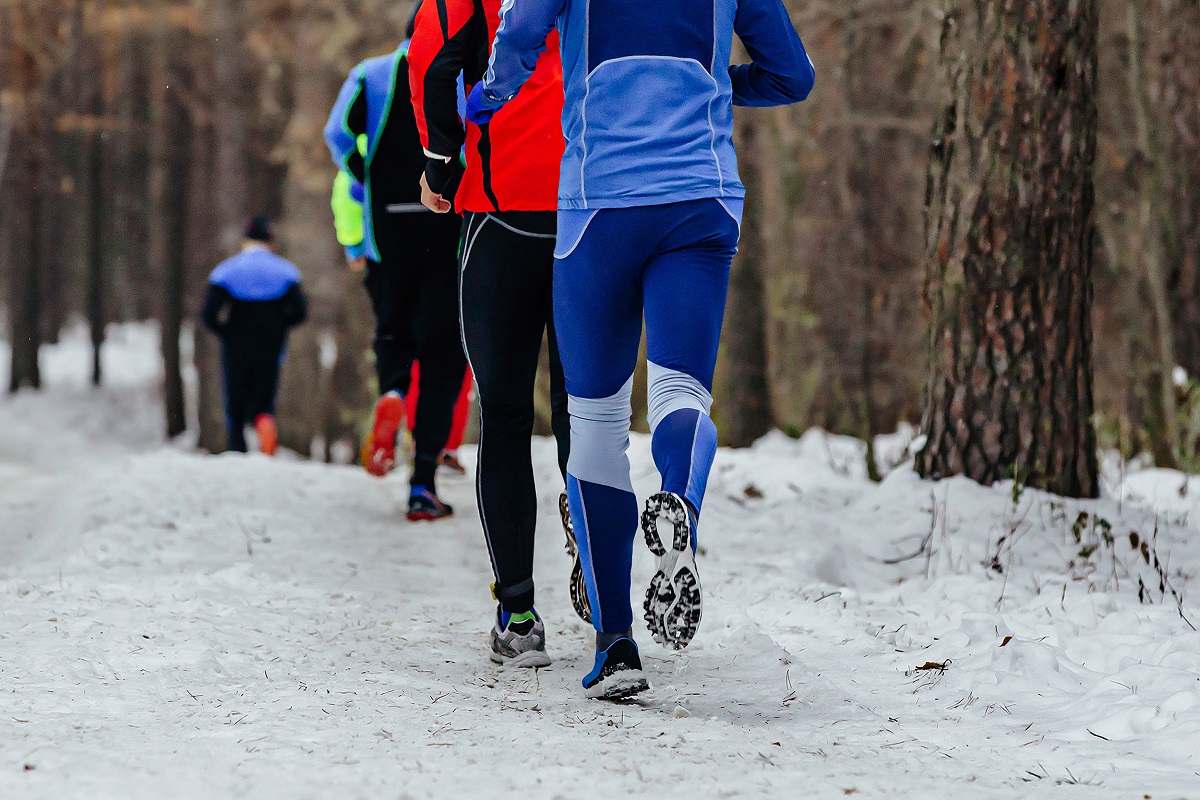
650,208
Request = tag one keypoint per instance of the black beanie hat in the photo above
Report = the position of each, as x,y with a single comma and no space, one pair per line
259,229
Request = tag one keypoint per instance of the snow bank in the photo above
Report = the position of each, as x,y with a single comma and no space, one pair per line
173,625
78,421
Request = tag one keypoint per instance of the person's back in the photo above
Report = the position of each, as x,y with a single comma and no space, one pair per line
261,299
649,91
253,299
375,103
512,164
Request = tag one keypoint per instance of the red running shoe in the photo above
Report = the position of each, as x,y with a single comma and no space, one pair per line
268,434
448,460
380,448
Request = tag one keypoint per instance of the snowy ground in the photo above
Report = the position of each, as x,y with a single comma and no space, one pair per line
181,626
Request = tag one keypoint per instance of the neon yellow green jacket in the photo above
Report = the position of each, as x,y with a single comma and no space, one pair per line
348,215
347,202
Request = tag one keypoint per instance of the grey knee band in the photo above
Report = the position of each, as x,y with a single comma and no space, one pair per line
600,438
670,391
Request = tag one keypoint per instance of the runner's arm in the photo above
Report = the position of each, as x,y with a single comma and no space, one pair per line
347,203
520,42
347,122
216,309
295,306
446,35
780,71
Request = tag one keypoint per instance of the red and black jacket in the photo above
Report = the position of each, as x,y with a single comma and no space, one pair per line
512,162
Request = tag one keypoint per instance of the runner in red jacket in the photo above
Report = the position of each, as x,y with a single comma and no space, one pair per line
513,162
509,199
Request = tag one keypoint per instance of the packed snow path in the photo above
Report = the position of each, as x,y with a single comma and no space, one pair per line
174,625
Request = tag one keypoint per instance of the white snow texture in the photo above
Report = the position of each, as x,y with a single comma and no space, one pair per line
182,626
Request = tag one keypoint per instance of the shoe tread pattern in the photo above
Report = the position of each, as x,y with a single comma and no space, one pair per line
579,595
674,604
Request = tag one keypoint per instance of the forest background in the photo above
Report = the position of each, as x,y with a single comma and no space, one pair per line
137,135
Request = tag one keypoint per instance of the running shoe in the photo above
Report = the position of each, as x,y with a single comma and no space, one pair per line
380,447
448,460
673,602
618,673
425,506
268,434
519,640
579,595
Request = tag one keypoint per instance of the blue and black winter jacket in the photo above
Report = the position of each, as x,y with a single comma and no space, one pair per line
253,299
376,102
650,90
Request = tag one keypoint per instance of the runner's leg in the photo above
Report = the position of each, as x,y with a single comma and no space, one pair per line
505,294
598,315
462,412
443,363
389,287
234,374
685,287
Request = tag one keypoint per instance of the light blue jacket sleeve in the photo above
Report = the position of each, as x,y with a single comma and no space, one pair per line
342,142
781,71
520,42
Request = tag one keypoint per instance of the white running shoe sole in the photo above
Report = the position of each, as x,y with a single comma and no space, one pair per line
620,686
674,603
531,659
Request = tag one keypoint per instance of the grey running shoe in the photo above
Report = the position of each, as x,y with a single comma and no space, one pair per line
519,640
673,602
579,595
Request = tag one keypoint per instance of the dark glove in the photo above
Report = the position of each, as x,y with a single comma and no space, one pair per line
443,177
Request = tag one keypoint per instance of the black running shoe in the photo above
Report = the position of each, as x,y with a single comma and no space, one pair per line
673,602
618,673
579,595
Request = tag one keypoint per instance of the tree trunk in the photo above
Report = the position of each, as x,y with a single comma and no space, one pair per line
1009,243
159,234
308,240
98,205
743,401
228,189
26,294
28,215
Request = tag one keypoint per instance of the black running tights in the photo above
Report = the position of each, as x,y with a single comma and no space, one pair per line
507,272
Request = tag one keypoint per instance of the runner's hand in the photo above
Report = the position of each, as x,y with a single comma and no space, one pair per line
434,202
480,108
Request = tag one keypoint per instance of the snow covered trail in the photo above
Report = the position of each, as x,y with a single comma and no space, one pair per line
174,625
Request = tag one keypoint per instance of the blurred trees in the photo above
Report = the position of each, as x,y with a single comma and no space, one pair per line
137,135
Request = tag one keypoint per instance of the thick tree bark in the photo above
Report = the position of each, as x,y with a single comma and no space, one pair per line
1009,248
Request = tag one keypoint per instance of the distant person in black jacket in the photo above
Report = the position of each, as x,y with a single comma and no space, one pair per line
253,300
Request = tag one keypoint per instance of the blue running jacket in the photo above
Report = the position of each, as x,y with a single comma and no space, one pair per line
649,90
